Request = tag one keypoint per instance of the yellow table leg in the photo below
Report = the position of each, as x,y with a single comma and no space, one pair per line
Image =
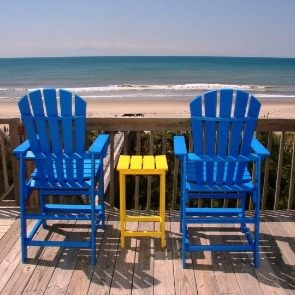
122,208
162,208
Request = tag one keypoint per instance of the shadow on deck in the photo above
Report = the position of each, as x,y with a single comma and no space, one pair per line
143,267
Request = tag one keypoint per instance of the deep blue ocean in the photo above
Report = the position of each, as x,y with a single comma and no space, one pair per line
173,78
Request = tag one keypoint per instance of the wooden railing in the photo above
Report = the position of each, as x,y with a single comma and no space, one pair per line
127,130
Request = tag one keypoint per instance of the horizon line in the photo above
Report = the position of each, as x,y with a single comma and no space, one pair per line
218,56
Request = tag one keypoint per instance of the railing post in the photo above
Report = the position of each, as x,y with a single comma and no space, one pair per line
14,130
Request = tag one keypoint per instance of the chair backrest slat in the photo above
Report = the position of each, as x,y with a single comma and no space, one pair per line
197,127
226,97
210,104
80,108
66,100
51,103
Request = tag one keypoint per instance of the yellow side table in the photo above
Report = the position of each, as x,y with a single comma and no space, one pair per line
142,165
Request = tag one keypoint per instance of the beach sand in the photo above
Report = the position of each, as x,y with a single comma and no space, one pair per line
156,108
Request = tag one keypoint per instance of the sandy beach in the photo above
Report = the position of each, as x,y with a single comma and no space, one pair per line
156,108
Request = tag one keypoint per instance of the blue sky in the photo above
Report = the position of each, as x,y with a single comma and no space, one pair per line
147,27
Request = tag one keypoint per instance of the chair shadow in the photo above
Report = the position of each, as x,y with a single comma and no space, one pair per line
117,268
132,267
274,270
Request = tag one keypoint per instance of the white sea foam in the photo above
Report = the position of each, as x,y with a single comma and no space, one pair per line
279,95
177,91
177,87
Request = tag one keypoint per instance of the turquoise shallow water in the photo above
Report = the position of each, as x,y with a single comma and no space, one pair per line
173,78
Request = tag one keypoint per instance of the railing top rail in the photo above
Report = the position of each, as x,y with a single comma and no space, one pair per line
166,124
174,124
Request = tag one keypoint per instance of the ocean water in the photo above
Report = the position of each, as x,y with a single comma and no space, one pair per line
127,78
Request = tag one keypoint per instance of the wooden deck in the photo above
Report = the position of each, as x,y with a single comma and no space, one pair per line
143,268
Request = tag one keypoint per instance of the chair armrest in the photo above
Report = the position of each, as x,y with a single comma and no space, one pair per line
258,148
179,146
22,148
100,145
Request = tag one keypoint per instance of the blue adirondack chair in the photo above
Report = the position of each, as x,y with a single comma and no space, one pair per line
55,122
219,168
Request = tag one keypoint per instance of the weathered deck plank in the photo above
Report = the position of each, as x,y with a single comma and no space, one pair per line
163,264
185,282
143,277
124,269
143,267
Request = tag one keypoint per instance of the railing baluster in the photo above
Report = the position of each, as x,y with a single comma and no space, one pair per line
138,151
279,171
266,172
164,147
112,169
175,180
292,177
149,178
14,132
4,162
126,143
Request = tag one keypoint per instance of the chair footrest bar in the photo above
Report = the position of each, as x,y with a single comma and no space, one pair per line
142,234
143,218
230,248
67,244
59,217
70,208
219,220
214,211
215,195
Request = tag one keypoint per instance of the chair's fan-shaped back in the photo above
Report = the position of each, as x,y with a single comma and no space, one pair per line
55,125
223,124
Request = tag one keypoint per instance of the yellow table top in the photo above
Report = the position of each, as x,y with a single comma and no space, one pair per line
142,164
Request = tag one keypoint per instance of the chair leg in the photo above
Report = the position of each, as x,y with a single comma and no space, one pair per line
243,206
93,229
257,235
256,255
23,209
183,226
102,213
101,195
23,234
23,229
181,215
184,239
256,246
42,207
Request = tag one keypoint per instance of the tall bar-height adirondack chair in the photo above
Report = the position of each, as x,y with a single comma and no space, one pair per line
219,168
55,122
